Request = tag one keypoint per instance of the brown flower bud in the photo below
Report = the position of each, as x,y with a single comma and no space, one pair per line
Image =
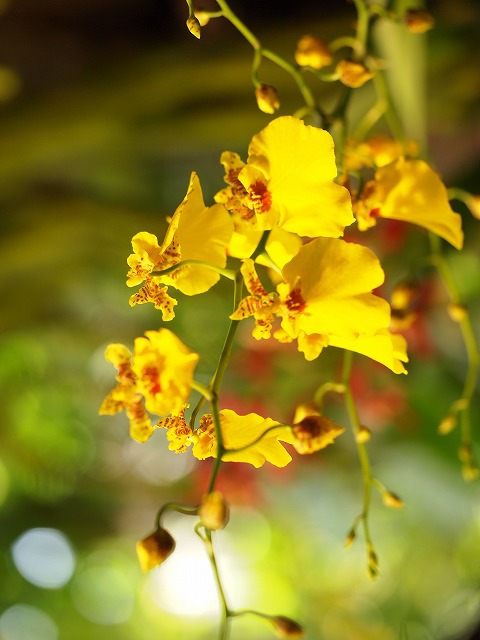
352,73
418,20
193,25
313,433
350,539
267,98
155,549
312,52
286,627
214,511
372,564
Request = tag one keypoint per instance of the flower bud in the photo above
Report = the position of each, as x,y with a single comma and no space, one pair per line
447,424
352,73
286,627
155,549
203,17
457,312
267,98
350,539
313,433
391,500
193,25
470,472
312,52
418,20
403,295
363,434
372,564
465,453
214,511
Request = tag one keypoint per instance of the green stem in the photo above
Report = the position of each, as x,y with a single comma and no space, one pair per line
226,613
270,55
254,442
296,75
469,340
174,506
361,448
203,390
215,384
238,24
363,18
228,273
217,379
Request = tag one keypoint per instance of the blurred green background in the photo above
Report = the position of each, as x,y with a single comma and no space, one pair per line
107,106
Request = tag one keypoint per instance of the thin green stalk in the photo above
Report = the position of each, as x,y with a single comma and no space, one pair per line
227,273
217,379
226,613
270,55
227,347
363,19
174,506
215,384
238,24
471,347
363,457
254,442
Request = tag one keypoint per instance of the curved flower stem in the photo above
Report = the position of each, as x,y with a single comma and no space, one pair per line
203,390
363,19
327,387
227,273
174,506
463,404
215,384
226,613
364,462
251,444
261,52
217,379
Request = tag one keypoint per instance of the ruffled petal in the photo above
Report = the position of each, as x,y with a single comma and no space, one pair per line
334,280
410,190
387,348
298,161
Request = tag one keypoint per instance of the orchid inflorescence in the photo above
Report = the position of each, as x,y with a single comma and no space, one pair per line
283,213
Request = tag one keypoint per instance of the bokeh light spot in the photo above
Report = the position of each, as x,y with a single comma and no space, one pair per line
22,622
44,557
103,595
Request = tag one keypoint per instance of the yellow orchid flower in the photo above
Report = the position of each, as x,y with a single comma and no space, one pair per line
240,431
326,289
196,232
288,182
325,299
157,379
411,191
